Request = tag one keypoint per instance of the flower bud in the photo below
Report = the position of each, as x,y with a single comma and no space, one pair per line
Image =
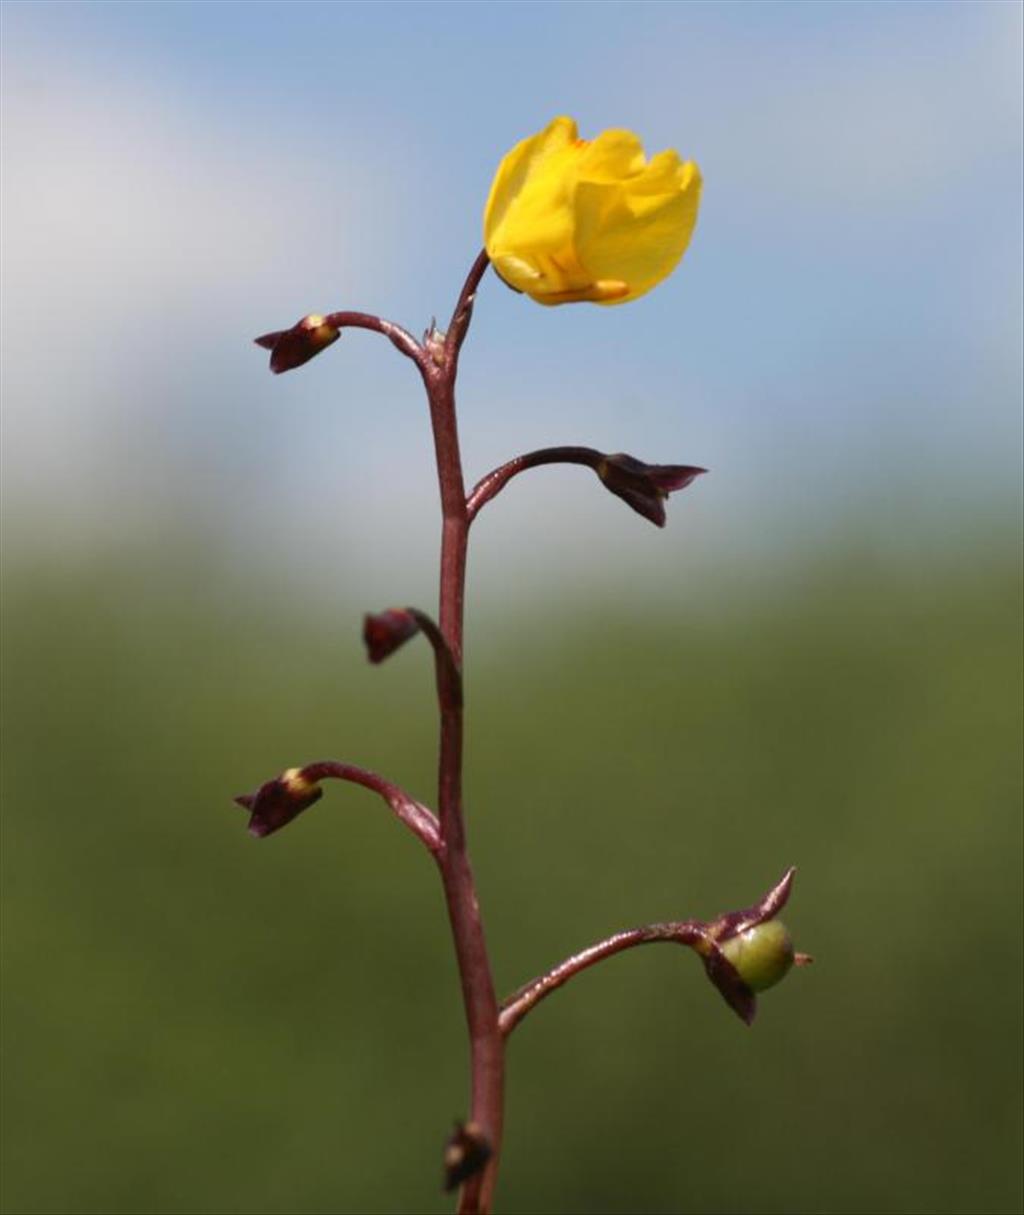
384,632
762,955
465,1154
642,486
278,801
290,348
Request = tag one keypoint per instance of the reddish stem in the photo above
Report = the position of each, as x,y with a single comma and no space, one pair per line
490,486
687,932
487,1049
447,672
414,814
458,326
399,337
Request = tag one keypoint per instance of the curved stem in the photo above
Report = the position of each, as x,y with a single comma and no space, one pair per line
414,814
447,672
487,1049
458,326
399,337
687,932
490,486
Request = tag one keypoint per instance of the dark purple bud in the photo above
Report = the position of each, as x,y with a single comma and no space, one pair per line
642,486
290,348
467,1151
385,632
277,802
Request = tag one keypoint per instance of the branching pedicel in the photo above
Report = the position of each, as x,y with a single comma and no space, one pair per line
567,221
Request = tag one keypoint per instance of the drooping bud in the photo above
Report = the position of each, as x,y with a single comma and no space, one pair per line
385,632
645,487
467,1151
278,801
290,348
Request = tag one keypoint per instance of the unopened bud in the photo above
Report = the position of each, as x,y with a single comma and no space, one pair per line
642,486
290,348
278,801
467,1151
384,632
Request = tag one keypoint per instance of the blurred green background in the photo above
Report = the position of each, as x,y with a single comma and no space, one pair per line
817,663
197,1021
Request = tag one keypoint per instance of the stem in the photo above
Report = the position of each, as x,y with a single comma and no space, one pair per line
448,675
458,326
399,337
688,932
491,485
487,1051
414,814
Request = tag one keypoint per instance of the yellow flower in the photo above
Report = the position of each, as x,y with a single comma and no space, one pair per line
570,219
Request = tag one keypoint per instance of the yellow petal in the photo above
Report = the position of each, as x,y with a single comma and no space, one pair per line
638,230
606,291
612,156
517,272
528,225
519,164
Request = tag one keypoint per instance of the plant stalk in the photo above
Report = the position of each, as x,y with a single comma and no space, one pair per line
487,1048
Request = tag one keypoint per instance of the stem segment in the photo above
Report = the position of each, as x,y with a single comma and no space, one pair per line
416,816
687,932
487,1050
491,485
399,337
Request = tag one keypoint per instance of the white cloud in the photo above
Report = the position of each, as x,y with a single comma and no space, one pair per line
132,227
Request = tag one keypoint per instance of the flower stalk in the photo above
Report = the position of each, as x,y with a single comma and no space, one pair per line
437,359
568,220
642,486
712,942
487,1050
278,802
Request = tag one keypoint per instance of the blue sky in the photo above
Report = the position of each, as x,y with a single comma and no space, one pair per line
844,332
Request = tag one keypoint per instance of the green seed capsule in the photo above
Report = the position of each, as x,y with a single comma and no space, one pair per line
762,955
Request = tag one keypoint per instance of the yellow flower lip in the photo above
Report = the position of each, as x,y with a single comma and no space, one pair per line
602,292
571,220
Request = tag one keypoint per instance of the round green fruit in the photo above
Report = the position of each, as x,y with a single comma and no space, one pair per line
762,955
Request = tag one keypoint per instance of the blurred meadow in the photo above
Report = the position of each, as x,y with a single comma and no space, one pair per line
818,662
